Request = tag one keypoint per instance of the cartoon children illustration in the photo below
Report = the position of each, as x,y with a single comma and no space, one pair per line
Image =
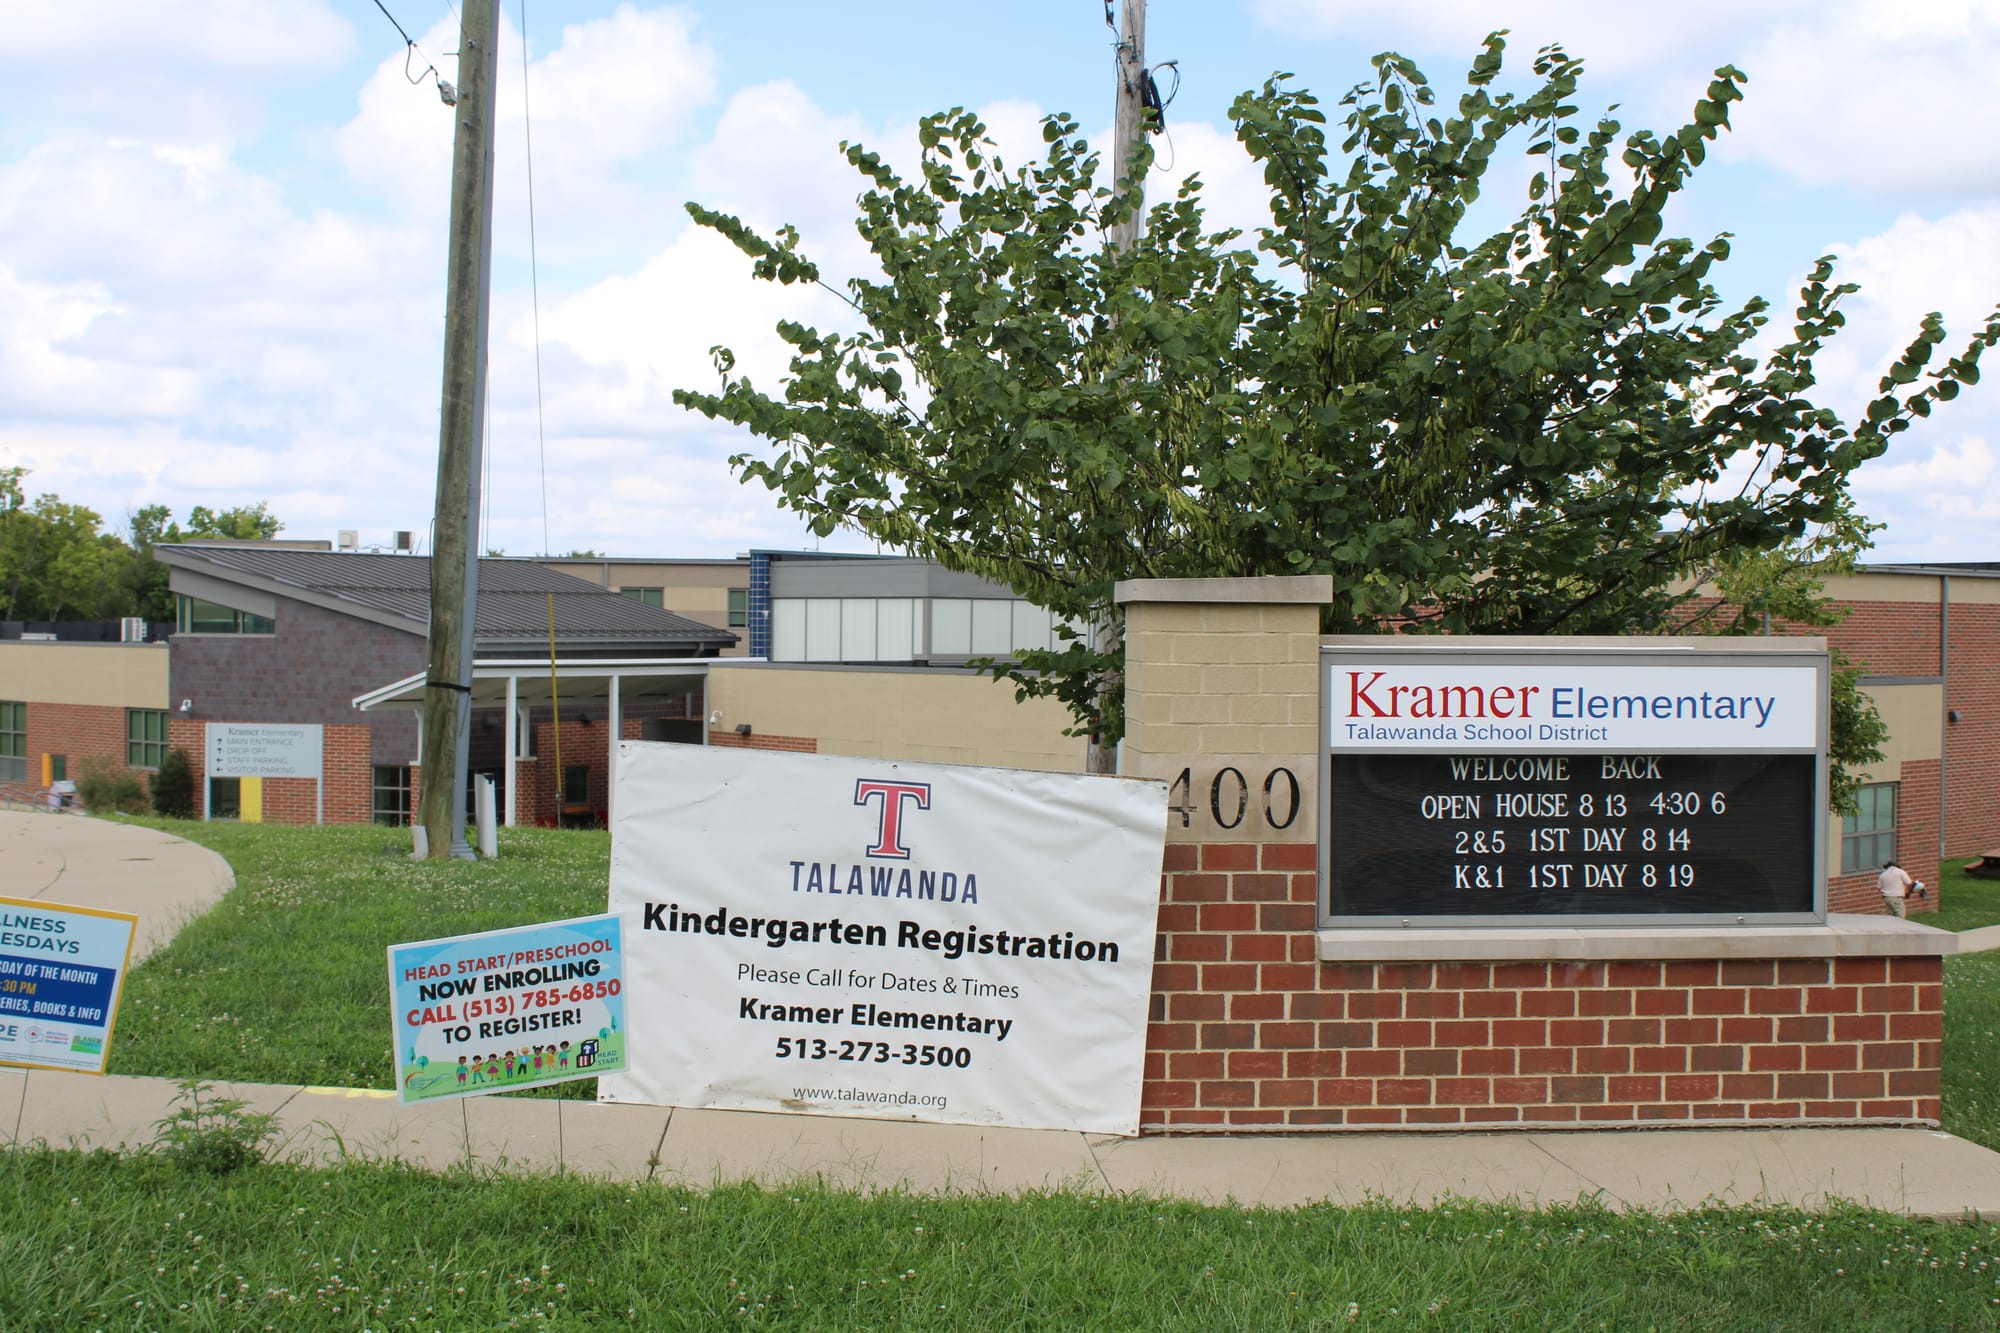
538,1061
461,1071
521,1065
562,1057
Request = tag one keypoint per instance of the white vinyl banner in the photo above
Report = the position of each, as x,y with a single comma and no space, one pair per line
902,941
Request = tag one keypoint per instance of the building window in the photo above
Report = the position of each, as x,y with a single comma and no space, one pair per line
194,616
392,795
650,596
1868,836
739,608
145,737
13,742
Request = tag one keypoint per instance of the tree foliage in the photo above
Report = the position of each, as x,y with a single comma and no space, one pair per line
1551,429
58,563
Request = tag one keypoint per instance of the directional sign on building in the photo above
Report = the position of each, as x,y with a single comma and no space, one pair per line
256,750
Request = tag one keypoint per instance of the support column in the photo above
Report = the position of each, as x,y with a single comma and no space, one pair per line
617,724
513,746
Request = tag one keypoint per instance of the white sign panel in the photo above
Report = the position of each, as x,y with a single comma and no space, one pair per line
902,941
1467,707
254,750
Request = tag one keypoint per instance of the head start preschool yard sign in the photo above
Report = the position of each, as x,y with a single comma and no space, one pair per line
508,1008
909,941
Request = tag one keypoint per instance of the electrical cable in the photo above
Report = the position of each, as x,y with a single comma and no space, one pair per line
412,52
534,279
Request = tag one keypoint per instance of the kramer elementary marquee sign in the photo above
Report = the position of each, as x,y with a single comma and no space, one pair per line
1469,780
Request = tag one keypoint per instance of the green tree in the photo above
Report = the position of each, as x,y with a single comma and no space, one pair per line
1546,430
58,563
243,523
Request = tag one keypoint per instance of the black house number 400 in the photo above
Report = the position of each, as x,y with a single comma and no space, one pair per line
1229,797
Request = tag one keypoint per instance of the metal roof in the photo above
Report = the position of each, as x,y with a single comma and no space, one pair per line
513,604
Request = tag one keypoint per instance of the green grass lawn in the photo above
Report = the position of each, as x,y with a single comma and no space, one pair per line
1964,902
287,979
101,1242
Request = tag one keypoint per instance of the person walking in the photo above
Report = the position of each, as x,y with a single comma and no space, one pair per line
1894,882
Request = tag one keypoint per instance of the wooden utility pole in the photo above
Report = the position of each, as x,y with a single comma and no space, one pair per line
1129,127
454,545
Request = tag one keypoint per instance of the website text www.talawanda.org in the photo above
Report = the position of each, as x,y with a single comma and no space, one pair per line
868,1095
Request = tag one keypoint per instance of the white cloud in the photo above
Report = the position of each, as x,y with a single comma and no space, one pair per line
607,108
1874,95
1880,96
1613,38
197,68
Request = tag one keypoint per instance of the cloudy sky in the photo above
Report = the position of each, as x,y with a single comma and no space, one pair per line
222,222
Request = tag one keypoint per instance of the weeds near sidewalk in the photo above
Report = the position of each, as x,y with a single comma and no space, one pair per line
215,1136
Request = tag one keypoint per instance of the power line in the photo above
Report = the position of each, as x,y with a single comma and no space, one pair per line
534,277
411,49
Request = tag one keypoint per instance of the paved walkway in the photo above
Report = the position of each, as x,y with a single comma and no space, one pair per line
84,862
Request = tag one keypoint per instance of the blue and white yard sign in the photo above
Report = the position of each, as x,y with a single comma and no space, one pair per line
507,1009
62,970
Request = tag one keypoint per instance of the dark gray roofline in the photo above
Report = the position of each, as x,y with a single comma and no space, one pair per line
198,571
1970,569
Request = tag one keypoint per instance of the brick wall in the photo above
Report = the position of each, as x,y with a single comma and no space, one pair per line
309,670
78,732
1248,1029
344,764
1972,745
1916,846
754,741
1884,638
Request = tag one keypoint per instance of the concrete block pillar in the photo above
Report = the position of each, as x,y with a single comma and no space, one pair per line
1222,702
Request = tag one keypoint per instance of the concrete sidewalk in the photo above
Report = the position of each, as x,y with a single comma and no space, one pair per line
94,863
81,862
1920,1173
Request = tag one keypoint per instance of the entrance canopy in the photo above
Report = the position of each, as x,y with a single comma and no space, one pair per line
527,684
520,685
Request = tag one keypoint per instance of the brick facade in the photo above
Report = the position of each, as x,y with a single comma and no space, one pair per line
78,732
1249,1030
1972,744
1260,1019
790,744
309,670
344,767
1916,842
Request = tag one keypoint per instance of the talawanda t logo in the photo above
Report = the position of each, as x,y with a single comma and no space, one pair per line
889,829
